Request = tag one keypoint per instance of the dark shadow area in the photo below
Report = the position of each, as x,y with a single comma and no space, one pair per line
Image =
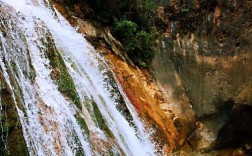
237,131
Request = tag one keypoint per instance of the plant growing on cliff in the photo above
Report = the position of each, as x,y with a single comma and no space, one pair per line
132,22
126,29
138,43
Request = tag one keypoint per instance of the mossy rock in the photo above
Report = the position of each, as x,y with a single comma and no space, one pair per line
100,121
117,97
12,141
64,80
83,125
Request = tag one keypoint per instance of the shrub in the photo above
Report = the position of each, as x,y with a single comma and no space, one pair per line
131,22
138,43
125,30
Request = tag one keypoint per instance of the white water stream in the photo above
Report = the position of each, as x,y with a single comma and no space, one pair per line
48,117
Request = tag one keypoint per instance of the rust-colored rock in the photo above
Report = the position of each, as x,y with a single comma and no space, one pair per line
140,88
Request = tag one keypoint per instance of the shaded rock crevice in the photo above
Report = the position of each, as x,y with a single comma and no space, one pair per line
237,131
12,141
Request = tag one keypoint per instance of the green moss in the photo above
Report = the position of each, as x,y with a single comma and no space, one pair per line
21,147
32,72
117,97
87,104
112,153
75,143
14,68
17,90
64,81
83,125
100,121
32,75
12,141
8,126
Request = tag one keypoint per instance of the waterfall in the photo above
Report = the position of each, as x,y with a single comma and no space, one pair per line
63,91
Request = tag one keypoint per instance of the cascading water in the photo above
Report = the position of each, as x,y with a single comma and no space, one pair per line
60,88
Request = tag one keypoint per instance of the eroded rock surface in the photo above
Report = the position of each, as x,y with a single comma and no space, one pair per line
205,54
201,69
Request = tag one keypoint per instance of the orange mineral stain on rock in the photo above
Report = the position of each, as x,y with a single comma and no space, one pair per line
140,88
144,94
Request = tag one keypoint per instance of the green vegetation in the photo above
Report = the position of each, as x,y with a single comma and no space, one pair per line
100,121
14,68
117,97
189,15
17,90
132,22
83,125
76,143
91,106
65,82
113,153
138,43
12,141
60,74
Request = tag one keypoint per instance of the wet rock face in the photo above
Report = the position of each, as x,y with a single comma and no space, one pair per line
212,61
11,136
166,131
205,54
203,60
